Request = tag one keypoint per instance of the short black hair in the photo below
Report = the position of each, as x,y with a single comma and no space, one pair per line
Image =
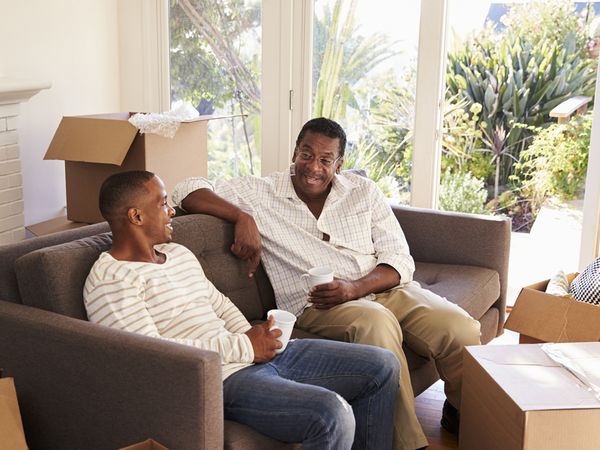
326,127
119,192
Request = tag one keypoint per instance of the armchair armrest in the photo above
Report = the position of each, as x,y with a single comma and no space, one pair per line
83,385
458,238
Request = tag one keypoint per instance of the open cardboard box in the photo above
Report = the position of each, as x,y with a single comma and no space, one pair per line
11,428
541,317
515,397
94,147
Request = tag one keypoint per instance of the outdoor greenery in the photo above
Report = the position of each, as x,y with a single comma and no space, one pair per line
510,79
214,67
461,191
555,163
501,151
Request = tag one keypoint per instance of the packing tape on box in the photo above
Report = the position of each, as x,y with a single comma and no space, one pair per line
554,352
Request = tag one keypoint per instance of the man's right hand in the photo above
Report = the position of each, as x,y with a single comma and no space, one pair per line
246,241
264,342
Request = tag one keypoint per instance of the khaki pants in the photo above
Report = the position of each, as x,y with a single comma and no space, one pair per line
432,327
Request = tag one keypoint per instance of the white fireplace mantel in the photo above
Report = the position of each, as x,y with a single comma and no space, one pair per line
13,92
17,91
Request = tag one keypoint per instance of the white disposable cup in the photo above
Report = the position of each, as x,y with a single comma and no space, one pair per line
316,276
284,320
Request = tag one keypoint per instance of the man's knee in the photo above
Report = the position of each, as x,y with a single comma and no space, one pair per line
388,363
334,419
460,327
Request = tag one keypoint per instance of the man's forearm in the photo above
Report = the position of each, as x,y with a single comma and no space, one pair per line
205,201
381,278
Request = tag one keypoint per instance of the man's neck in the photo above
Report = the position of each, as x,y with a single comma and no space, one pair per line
130,249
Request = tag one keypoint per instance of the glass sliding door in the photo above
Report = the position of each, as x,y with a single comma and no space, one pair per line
364,76
517,123
215,62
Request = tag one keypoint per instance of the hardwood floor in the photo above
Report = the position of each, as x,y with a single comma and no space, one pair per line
429,412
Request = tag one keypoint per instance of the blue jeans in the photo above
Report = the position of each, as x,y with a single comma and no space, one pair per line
324,394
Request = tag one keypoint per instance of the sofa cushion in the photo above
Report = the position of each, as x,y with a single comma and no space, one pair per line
474,289
11,252
210,239
52,278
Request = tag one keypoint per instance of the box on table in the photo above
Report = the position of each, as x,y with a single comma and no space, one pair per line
541,317
94,147
516,397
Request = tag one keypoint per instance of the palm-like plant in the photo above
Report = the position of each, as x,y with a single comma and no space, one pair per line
346,59
516,82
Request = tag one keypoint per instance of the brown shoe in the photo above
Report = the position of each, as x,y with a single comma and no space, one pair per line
450,418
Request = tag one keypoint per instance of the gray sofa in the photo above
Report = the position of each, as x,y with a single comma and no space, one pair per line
81,385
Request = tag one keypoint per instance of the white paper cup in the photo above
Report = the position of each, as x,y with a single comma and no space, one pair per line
316,276
284,320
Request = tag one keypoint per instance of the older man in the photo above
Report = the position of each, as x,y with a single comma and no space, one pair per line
314,215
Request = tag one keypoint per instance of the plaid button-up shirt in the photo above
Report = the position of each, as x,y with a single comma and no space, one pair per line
363,231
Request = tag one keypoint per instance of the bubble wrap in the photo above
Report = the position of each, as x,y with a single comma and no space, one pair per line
164,124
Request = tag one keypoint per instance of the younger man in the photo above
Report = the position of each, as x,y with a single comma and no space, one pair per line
324,394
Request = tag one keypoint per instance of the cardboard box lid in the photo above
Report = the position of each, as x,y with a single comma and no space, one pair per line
536,382
103,138
553,319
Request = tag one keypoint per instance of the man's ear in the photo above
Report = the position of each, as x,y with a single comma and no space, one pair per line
294,155
340,163
134,215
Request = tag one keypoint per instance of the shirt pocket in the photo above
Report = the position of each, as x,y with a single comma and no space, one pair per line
353,231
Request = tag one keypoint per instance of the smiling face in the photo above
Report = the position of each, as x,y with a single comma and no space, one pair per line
156,213
316,161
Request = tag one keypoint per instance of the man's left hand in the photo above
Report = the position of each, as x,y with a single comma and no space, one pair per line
336,292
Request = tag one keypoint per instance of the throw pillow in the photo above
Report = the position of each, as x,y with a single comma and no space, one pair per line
586,287
559,285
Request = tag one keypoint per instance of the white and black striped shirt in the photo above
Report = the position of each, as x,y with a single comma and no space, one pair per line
172,301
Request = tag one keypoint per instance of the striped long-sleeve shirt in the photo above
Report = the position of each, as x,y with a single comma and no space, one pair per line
172,301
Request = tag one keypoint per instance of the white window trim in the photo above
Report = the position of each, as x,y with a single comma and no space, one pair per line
276,84
431,83
590,232
144,55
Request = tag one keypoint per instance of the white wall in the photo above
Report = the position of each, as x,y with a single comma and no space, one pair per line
72,44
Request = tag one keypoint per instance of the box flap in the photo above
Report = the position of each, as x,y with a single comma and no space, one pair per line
553,319
96,139
516,368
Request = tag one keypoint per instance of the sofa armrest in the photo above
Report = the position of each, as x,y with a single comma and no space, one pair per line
83,385
459,238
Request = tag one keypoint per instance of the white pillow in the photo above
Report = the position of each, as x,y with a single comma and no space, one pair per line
559,285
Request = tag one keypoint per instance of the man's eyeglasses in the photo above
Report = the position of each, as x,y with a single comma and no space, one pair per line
325,162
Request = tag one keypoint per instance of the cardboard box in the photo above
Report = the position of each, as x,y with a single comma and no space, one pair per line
541,317
11,428
148,444
515,397
94,147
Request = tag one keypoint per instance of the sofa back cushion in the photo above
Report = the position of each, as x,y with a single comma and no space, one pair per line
52,278
210,239
9,290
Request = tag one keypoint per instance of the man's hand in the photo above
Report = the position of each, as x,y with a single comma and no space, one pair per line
246,241
264,342
336,292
